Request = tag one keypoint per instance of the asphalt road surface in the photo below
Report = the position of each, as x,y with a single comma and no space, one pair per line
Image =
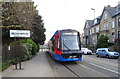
90,66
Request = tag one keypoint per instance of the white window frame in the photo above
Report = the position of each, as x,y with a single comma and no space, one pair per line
105,16
97,29
106,26
113,36
95,21
113,24
90,32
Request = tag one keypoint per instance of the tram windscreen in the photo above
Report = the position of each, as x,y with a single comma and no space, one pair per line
70,41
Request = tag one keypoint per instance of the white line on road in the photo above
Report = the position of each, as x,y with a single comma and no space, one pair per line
86,67
104,68
91,69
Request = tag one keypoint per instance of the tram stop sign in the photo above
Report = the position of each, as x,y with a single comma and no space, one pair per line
20,33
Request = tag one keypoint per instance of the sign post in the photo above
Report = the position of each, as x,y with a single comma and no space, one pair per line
19,34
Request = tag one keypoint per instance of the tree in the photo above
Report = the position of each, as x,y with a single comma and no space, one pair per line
102,41
38,30
22,15
16,15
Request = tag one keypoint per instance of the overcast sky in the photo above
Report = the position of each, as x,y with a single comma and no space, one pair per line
69,14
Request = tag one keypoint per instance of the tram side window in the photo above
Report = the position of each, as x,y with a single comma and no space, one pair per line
53,45
59,44
56,42
79,40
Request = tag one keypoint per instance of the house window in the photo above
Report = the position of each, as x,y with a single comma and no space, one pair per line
118,34
87,32
92,30
105,17
118,21
113,36
87,41
113,24
105,26
95,21
97,29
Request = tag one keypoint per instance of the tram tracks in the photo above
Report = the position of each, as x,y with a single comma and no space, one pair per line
73,69
62,66
77,75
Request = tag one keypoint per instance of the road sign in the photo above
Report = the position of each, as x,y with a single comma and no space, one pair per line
19,33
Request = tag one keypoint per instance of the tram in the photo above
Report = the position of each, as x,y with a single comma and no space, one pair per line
65,45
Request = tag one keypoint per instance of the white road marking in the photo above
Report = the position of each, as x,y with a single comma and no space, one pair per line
91,69
86,67
104,68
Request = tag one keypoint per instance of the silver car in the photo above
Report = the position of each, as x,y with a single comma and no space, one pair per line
107,52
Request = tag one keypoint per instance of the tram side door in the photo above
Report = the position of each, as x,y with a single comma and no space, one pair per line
57,46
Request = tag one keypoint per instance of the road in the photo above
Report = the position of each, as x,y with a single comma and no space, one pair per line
42,65
90,66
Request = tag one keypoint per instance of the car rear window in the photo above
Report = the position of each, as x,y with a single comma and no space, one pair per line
103,50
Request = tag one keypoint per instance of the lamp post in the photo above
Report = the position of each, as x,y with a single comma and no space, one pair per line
94,12
93,26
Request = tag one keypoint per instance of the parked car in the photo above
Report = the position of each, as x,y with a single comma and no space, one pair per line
86,51
107,52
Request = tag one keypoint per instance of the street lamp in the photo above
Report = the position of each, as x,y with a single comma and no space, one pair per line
93,26
94,12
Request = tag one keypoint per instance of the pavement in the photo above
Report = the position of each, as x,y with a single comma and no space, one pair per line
36,67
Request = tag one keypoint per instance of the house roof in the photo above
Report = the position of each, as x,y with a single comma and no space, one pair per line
98,20
89,22
117,10
112,11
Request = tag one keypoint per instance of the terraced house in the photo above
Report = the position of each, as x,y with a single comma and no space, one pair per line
107,24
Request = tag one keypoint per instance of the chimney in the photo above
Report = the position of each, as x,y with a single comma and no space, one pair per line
118,6
118,2
108,5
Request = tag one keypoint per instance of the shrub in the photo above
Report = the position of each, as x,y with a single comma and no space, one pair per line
35,47
30,48
4,66
102,41
27,49
117,41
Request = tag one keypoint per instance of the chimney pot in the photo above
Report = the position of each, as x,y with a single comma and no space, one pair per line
108,5
118,2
